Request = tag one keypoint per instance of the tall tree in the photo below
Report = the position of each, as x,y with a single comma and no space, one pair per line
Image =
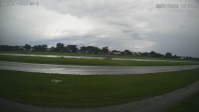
39,48
60,46
5,48
127,52
95,50
175,56
28,47
158,55
145,54
17,48
44,47
83,49
105,50
153,54
73,49
168,55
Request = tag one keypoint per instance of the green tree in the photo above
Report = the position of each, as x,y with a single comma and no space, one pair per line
105,50
16,48
73,48
158,55
168,55
28,47
60,46
153,54
83,49
127,52
145,54
45,46
40,48
175,56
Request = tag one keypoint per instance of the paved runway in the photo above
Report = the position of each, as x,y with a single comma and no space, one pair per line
90,70
87,57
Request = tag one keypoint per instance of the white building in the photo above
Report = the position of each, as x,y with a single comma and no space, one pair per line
182,57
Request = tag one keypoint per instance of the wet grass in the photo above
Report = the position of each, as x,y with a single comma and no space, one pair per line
92,55
89,90
53,53
189,105
89,62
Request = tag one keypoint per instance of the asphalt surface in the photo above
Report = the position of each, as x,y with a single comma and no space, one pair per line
153,104
87,57
90,70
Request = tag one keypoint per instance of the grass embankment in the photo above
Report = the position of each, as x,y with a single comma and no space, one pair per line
89,62
53,53
89,90
189,105
92,55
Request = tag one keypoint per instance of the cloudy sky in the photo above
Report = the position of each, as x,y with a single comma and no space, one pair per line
138,26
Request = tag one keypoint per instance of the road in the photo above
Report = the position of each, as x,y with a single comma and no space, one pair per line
87,57
90,70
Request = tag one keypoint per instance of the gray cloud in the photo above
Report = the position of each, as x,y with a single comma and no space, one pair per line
119,24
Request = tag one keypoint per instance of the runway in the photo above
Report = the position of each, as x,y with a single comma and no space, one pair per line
90,70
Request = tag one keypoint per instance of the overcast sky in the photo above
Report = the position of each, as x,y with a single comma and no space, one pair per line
138,26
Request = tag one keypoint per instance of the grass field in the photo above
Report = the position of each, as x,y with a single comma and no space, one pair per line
92,55
88,91
189,105
53,53
89,62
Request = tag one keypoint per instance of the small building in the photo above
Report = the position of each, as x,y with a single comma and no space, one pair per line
138,54
31,49
133,54
110,53
78,51
48,49
182,57
21,48
70,48
116,53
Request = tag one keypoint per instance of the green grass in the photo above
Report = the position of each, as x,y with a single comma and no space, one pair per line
89,90
89,62
52,53
189,105
92,55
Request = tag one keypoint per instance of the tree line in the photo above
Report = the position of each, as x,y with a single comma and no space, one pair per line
60,47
